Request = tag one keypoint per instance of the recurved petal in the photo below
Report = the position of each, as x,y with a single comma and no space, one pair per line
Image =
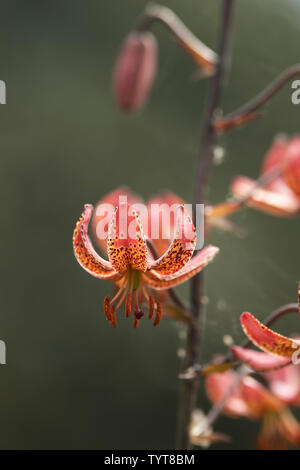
272,202
285,383
126,244
181,248
266,339
258,398
84,251
217,385
196,264
259,361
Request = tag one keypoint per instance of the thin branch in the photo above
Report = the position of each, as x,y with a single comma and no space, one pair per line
248,111
189,389
201,53
217,409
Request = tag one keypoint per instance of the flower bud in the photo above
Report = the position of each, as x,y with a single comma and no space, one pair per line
292,165
135,70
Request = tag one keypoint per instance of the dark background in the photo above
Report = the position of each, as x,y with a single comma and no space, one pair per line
71,381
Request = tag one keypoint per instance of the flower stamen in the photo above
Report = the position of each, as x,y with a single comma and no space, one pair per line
158,314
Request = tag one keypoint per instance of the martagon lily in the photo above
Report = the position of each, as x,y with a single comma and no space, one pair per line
131,266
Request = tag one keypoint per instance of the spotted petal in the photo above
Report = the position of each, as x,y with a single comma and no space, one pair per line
181,248
273,202
84,251
126,244
196,264
266,339
259,361
104,211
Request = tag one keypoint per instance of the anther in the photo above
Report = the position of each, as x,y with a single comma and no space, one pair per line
151,307
128,305
158,315
113,320
139,314
107,308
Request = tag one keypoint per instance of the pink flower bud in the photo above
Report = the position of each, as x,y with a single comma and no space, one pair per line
292,165
135,70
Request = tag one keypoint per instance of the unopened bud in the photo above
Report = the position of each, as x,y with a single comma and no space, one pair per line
292,165
135,70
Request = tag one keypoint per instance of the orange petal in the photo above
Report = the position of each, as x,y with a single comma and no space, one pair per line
272,202
196,264
266,339
259,361
126,243
181,248
85,253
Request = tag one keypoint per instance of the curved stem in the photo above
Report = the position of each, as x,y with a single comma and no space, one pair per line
201,53
187,398
248,111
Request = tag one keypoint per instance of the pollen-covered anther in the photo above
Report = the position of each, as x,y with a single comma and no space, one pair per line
158,314
113,320
151,307
128,305
107,308
138,314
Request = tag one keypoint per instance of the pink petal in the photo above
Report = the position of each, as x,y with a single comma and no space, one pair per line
218,384
285,383
272,202
259,361
258,398
266,339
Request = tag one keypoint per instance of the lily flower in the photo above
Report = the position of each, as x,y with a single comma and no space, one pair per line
281,195
250,399
131,266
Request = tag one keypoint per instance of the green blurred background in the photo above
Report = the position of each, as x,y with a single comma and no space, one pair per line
71,381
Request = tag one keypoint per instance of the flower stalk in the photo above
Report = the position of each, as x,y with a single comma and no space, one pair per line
188,393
